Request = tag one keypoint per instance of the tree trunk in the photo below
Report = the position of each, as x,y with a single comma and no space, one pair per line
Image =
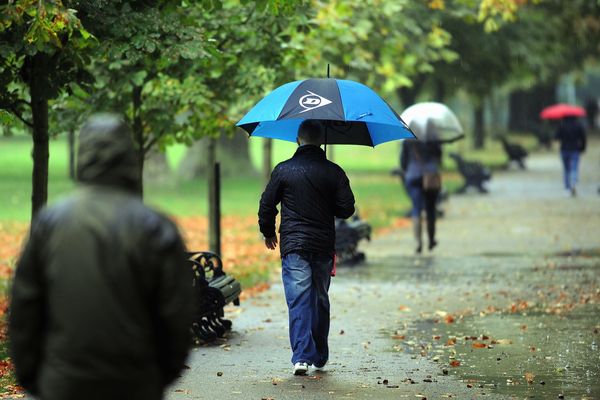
71,144
267,160
408,95
479,128
440,90
156,167
234,154
40,153
525,105
138,134
214,198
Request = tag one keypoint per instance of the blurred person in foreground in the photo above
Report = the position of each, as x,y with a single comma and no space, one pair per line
101,300
312,191
571,135
420,165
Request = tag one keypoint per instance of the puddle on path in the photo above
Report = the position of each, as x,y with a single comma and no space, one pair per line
559,355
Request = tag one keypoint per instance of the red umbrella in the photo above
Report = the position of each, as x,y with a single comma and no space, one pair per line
559,111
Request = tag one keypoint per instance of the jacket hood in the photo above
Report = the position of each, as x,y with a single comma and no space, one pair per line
106,154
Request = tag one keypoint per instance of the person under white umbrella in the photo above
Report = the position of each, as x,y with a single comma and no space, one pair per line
433,124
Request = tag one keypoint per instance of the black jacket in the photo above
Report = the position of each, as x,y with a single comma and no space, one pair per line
571,135
102,300
312,191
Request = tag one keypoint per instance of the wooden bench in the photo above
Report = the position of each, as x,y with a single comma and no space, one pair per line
214,289
347,235
474,173
515,153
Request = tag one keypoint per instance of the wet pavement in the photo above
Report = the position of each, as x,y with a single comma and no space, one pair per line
508,306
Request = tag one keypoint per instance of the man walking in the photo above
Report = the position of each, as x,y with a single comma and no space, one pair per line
102,299
571,135
312,191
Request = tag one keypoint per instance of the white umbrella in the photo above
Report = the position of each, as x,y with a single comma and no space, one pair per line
432,121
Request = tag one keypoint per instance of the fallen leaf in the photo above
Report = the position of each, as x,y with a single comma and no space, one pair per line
501,341
529,377
454,363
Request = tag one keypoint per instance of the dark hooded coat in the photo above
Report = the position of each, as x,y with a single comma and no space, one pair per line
101,300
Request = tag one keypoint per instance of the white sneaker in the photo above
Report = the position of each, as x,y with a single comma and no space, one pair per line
300,368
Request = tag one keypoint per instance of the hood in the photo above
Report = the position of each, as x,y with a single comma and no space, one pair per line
106,154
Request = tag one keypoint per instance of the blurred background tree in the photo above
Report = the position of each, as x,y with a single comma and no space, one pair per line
182,71
44,48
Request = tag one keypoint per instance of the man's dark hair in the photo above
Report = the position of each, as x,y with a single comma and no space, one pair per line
311,132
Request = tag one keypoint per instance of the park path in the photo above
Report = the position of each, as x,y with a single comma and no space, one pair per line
511,295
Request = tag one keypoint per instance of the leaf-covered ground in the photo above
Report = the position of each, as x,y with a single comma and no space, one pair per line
244,256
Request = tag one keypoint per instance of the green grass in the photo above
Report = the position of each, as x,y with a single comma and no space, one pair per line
15,175
378,194
367,168
240,195
492,155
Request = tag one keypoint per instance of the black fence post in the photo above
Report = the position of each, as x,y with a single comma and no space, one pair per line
214,201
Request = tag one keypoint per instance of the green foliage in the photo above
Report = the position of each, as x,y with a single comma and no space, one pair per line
150,49
6,118
34,33
382,43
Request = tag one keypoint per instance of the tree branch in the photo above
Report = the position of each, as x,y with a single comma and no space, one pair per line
21,101
17,114
151,142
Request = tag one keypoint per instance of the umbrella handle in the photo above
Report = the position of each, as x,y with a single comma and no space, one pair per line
325,145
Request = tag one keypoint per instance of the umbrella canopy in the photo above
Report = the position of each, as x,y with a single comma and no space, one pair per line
353,113
559,111
432,121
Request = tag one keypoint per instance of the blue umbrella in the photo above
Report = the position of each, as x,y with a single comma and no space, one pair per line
352,112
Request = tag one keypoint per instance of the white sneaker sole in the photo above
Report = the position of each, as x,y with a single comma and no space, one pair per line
300,371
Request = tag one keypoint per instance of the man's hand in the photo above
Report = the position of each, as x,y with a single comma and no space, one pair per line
271,242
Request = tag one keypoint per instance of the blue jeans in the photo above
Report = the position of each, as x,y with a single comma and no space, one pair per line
306,278
421,199
570,161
